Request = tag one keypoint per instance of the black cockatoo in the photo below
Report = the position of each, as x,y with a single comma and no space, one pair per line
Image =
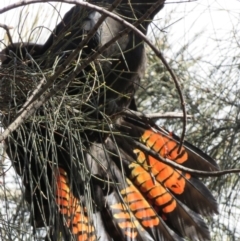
107,181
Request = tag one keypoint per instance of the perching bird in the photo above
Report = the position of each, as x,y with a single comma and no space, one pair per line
121,66
112,186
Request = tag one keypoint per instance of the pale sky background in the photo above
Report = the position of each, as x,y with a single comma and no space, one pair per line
217,20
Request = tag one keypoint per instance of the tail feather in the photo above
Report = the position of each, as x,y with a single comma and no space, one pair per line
187,223
133,214
123,219
101,229
165,143
178,216
184,187
75,218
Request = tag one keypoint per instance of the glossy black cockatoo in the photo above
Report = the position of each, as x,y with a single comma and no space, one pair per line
92,168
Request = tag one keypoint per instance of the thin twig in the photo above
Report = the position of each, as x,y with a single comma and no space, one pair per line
166,115
6,28
173,164
156,116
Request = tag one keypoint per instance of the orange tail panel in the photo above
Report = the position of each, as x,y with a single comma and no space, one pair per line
134,215
70,207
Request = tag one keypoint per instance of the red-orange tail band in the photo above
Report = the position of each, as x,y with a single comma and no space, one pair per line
75,219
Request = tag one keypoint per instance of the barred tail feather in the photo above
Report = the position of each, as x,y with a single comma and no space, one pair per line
134,215
75,219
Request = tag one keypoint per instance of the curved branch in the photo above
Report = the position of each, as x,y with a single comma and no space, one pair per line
173,164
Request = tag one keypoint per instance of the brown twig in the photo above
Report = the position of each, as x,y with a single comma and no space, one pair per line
6,28
158,115
166,115
173,164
